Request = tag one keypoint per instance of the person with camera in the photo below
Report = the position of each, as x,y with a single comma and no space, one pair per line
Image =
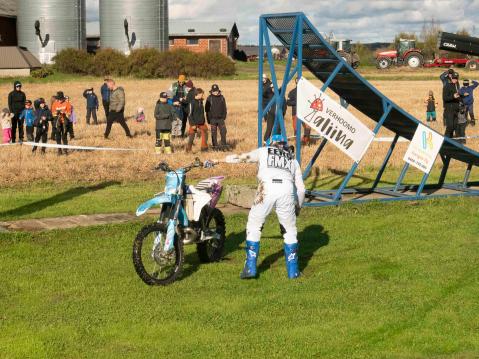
452,99
91,105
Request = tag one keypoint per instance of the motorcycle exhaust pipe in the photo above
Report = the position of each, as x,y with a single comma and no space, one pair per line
190,235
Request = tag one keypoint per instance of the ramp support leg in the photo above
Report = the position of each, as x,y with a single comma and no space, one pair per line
260,84
401,176
421,186
466,175
445,167
385,162
315,157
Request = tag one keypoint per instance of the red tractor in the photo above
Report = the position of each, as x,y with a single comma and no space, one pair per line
405,54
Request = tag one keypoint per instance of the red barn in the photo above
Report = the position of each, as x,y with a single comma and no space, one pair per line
204,36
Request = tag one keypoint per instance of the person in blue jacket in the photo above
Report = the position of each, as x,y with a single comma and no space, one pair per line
91,105
28,115
467,95
105,97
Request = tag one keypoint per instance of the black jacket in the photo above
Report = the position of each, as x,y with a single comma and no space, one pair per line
292,100
450,102
215,108
165,115
196,113
39,123
16,101
267,92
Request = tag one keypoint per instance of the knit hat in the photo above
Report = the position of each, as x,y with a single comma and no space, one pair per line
189,84
455,75
60,95
181,78
163,95
465,82
215,88
28,102
17,83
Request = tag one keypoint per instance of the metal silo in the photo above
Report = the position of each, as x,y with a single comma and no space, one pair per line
46,27
164,31
129,24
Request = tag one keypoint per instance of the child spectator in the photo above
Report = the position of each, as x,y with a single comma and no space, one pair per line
91,105
140,115
177,123
164,115
216,112
467,95
72,119
196,119
43,115
7,125
431,104
61,111
28,115
461,123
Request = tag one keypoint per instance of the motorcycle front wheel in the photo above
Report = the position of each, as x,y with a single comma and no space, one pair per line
153,264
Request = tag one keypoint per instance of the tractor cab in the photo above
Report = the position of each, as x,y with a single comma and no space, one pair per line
342,45
405,45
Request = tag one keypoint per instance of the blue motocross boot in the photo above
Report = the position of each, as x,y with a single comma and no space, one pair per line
252,251
291,255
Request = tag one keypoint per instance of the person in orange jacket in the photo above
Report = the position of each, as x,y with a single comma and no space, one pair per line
61,110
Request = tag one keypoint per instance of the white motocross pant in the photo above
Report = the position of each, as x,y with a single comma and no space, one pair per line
281,197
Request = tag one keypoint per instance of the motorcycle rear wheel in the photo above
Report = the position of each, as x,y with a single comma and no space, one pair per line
152,264
213,226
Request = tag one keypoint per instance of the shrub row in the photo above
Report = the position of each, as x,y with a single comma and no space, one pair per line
144,63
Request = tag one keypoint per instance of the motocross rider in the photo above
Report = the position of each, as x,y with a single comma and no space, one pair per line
281,187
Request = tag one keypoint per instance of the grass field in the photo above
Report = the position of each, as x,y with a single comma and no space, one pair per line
379,281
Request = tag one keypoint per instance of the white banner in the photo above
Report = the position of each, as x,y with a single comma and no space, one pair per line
332,121
423,149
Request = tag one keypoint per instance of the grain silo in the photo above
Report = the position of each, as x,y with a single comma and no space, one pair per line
164,31
126,25
46,27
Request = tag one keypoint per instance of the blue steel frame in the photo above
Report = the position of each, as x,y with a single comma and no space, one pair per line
335,196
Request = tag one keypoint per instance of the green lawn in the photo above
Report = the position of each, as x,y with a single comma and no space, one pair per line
65,199
379,281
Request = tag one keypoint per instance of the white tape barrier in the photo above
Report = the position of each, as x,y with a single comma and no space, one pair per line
69,147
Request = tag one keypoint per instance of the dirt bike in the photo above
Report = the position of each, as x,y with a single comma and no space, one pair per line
188,216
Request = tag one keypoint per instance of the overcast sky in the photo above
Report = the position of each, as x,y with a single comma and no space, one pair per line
359,20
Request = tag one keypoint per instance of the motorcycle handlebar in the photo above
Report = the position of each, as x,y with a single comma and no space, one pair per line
163,166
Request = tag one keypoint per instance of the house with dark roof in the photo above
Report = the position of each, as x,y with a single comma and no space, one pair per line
198,36
8,23
17,61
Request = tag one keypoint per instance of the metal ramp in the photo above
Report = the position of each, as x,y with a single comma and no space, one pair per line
309,48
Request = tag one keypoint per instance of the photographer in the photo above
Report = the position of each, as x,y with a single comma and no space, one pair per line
451,98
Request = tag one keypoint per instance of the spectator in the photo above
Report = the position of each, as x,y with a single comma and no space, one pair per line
28,115
164,115
179,92
461,123
117,109
467,94
292,102
196,118
216,112
451,100
105,97
445,79
61,111
177,123
140,115
43,115
7,125
267,97
431,104
72,119
16,104
91,105
54,129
